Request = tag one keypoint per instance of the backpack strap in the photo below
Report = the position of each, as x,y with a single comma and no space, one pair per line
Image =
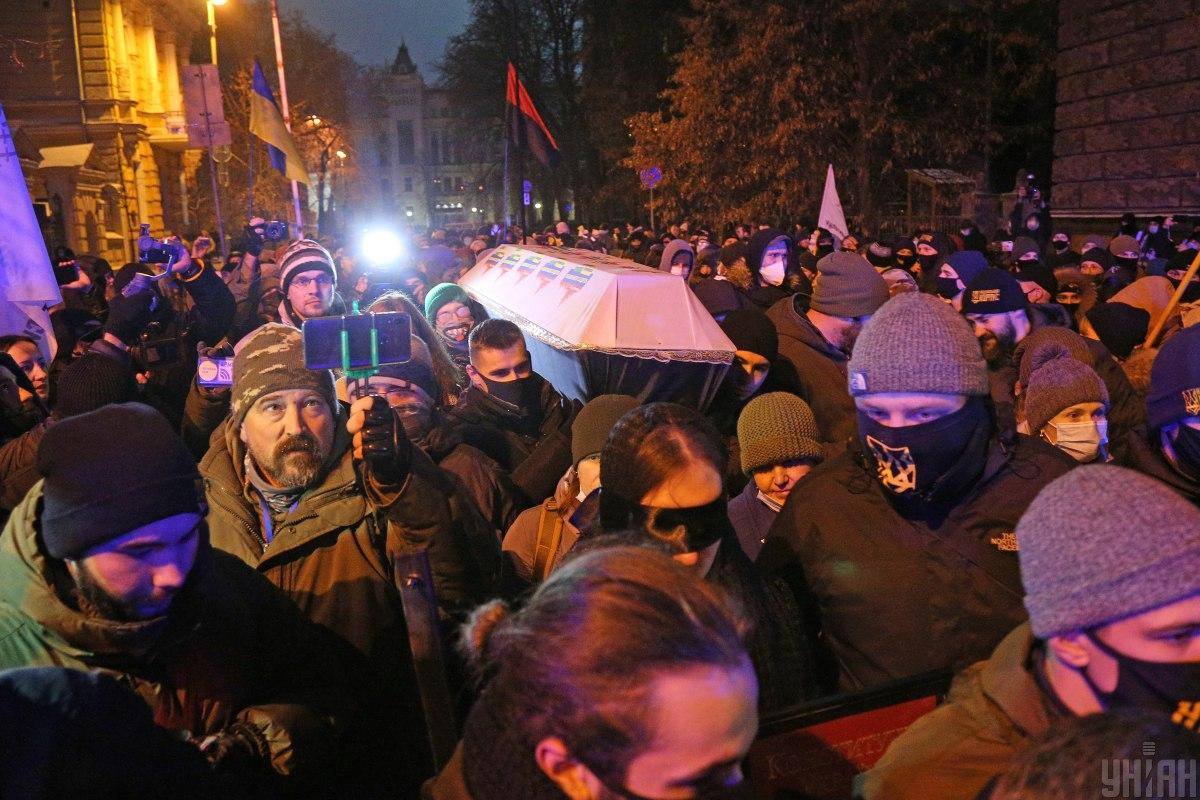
549,537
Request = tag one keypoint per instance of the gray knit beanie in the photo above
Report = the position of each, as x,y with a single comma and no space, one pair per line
595,421
916,343
1057,381
1102,543
777,427
1074,344
847,286
271,359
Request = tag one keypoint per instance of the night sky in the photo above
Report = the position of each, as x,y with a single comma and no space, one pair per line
371,30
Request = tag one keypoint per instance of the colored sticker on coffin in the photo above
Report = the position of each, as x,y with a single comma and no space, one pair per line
529,264
578,277
552,268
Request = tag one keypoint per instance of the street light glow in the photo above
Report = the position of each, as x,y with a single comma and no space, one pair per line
381,246
538,206
340,154
218,2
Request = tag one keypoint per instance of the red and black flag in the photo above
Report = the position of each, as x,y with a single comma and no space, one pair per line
527,124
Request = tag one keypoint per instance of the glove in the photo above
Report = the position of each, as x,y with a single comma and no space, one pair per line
237,748
127,316
385,447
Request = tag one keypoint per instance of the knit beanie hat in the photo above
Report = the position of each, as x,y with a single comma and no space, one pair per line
1057,382
1102,543
440,295
592,424
750,329
304,255
1099,256
1024,247
1122,245
879,254
271,359
731,253
1120,326
1074,344
91,381
993,291
917,343
968,264
108,472
418,370
776,427
847,286
1175,379
1094,241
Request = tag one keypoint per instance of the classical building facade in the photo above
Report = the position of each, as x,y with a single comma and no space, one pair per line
417,168
1126,136
92,93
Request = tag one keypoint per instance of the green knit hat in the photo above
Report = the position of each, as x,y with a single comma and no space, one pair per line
777,427
441,294
1102,543
271,359
917,343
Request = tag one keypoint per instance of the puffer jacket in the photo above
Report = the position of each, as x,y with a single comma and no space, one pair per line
897,597
232,649
994,710
819,370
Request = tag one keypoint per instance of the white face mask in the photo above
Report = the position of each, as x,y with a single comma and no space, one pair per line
1083,441
676,269
773,273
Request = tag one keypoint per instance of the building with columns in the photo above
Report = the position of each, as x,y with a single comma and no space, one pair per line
92,94
417,166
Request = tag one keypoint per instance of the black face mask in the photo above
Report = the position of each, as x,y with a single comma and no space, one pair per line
1187,449
524,394
702,525
947,287
1157,687
932,459
417,422
927,262
1062,247
905,260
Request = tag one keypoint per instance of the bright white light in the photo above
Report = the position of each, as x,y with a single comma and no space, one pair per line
340,154
381,246
538,206
408,213
474,210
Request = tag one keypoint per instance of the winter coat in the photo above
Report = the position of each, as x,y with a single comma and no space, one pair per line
752,519
333,555
231,650
534,452
778,642
18,465
897,597
479,478
520,541
995,709
820,372
719,297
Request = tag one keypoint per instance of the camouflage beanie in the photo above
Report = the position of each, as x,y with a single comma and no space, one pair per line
271,359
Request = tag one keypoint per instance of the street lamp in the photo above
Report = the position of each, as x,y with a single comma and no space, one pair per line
212,26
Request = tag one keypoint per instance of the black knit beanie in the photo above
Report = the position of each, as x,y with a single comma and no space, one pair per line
108,472
90,382
1120,326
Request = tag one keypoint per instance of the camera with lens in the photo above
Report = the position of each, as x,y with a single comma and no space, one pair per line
274,231
153,251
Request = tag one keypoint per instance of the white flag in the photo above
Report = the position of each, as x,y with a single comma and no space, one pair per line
27,284
832,218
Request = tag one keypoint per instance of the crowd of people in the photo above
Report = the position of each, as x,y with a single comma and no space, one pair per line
932,451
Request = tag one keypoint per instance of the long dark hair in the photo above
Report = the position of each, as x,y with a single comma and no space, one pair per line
578,661
646,447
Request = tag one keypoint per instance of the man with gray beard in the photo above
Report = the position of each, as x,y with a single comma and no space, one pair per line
320,497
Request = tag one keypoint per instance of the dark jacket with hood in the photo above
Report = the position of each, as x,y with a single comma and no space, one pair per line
898,596
674,247
819,370
231,651
534,448
995,709
1143,452
763,294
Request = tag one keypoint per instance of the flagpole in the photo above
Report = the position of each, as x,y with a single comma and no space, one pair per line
507,186
287,114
